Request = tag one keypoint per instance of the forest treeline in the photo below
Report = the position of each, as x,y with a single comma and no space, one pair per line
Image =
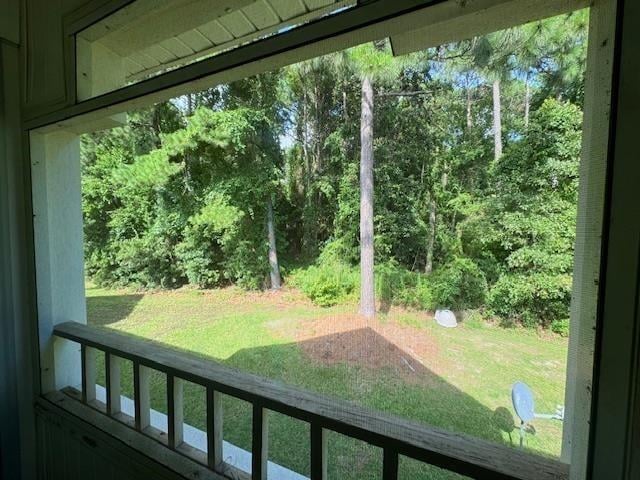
445,178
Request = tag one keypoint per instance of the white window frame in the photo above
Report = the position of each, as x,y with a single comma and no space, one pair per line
53,137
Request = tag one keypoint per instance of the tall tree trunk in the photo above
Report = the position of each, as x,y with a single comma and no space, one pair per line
308,219
431,239
527,101
469,116
497,121
367,285
189,104
274,267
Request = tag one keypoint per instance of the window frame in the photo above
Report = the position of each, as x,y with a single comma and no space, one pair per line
367,20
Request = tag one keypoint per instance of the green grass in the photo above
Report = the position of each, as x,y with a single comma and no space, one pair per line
464,383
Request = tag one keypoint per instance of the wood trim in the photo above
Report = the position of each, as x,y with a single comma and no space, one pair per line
251,37
214,429
390,465
331,29
123,437
318,453
260,442
113,387
456,452
613,443
92,12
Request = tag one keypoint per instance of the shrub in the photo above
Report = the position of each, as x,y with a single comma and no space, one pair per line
532,299
561,327
221,244
396,285
326,284
458,285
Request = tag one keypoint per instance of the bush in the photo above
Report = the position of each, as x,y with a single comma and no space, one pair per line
532,299
458,285
561,327
396,285
326,284
222,245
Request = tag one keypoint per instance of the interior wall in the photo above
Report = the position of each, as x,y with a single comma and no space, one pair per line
8,380
17,375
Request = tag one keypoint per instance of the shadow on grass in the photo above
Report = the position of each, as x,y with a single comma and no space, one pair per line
108,309
363,367
359,365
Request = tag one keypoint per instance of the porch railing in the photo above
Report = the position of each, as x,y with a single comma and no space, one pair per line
395,436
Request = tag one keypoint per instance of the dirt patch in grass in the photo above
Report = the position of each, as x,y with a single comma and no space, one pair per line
349,338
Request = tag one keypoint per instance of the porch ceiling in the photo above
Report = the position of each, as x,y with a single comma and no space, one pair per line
155,35
463,20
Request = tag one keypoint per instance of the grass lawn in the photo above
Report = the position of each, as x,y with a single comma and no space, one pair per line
403,363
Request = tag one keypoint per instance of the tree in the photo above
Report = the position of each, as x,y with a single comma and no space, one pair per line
371,62
274,266
367,286
262,93
227,185
532,217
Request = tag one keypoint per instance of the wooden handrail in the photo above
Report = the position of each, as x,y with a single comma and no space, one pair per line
456,452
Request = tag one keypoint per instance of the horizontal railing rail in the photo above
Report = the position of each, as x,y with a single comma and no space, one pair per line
395,436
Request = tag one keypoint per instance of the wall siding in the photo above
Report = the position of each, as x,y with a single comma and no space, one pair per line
71,449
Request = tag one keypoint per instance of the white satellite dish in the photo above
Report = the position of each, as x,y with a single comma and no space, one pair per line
446,318
524,405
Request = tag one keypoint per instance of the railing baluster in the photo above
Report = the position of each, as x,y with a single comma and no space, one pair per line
175,410
318,452
449,451
142,401
259,449
112,374
390,465
88,373
214,428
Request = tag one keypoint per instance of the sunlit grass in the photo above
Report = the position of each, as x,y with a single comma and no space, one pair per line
467,378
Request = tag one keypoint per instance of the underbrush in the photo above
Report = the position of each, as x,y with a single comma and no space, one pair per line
457,285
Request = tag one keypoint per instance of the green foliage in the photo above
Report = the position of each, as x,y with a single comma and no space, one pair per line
209,238
532,299
458,285
561,327
395,285
179,194
191,210
327,284
532,218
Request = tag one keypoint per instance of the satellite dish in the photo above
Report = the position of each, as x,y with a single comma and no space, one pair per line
446,318
522,398
523,404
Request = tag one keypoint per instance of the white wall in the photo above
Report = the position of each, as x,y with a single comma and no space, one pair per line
58,238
